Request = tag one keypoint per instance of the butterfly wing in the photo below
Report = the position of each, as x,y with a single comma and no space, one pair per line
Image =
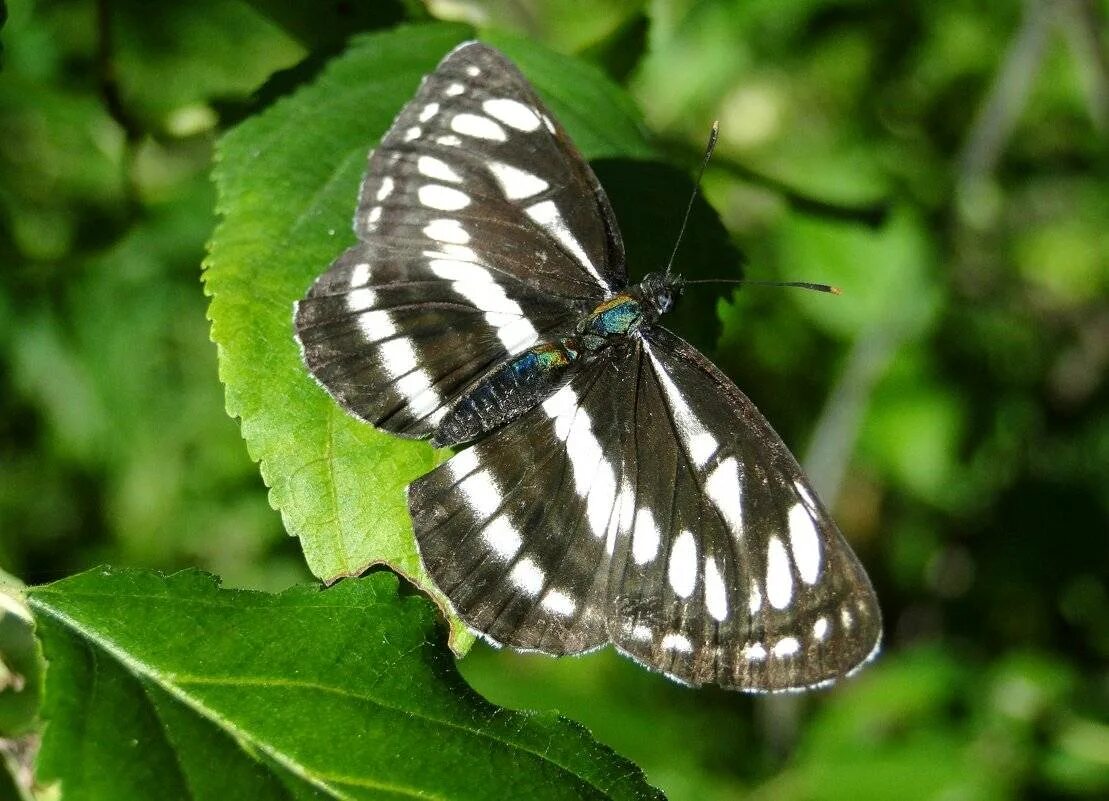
482,232
650,505
742,579
518,529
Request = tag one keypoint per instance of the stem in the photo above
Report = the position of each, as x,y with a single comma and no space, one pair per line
109,82
998,114
1081,21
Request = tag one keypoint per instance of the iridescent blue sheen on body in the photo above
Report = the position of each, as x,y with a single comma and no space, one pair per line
543,358
509,389
617,316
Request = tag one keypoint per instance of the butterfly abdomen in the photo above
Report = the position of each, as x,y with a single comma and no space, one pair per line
508,390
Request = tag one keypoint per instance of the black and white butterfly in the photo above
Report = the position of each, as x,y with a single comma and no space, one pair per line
620,489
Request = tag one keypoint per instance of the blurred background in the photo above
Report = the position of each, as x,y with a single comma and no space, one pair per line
944,161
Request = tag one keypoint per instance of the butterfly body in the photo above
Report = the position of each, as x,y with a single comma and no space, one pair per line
619,489
523,381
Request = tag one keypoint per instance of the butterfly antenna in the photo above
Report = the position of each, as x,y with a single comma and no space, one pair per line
831,290
693,195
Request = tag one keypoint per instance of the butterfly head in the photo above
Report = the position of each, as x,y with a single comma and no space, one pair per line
660,291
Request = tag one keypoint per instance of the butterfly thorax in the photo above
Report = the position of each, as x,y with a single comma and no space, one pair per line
628,311
523,381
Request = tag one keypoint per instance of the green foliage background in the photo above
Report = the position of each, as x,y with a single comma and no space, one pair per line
946,163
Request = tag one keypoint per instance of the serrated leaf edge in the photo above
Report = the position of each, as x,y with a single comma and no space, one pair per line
165,682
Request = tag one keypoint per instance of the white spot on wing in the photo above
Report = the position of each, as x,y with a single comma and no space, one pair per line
676,642
399,358
385,188
754,601
594,478
755,652
560,408
546,213
377,325
453,251
481,493
641,633
621,520
646,537
820,628
477,126
412,133
443,198
723,488
501,535
716,595
360,299
806,496
683,565
437,169
559,602
429,111
449,231
473,71
527,576
454,89
462,464
512,113
374,215
584,450
779,581
476,284
787,646
602,494
449,140
360,275
517,183
805,543
700,444
627,504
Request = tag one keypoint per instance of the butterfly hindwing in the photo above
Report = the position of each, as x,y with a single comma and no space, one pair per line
650,505
482,230
517,530
742,578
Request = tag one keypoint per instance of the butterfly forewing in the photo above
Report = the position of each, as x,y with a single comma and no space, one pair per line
482,232
650,505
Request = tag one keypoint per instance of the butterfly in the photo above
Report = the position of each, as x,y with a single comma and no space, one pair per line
616,487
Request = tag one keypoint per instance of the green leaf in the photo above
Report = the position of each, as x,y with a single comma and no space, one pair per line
887,275
170,687
287,182
324,26
217,50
